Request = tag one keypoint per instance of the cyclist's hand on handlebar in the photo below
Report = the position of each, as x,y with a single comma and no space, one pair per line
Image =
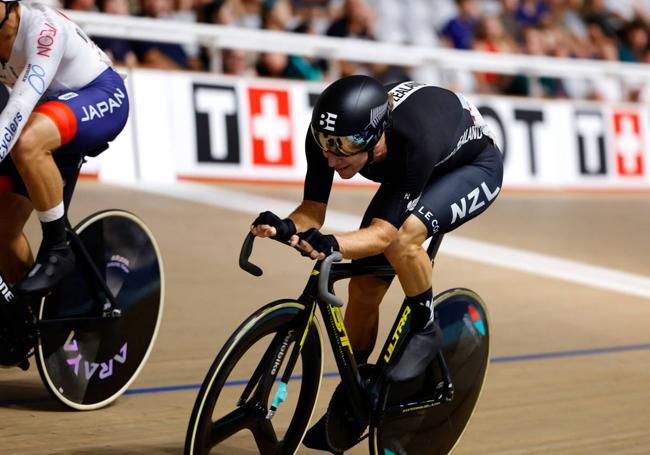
317,245
268,224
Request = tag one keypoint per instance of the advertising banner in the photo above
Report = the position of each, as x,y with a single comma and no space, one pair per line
198,126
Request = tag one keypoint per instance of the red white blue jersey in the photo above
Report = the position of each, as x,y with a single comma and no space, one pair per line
50,55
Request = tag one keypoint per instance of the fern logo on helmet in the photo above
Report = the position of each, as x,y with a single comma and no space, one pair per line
377,114
328,121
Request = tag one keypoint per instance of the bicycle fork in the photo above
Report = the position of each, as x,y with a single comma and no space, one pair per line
272,361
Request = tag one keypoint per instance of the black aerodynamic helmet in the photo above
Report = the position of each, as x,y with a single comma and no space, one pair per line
350,115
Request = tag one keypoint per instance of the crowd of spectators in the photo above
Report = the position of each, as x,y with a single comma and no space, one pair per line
591,29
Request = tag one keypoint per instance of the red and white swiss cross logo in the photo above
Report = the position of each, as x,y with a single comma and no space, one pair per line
628,143
270,122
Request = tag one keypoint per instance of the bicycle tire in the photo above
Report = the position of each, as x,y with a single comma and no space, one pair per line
276,321
89,368
436,430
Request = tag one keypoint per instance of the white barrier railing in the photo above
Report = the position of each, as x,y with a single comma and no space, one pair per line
429,60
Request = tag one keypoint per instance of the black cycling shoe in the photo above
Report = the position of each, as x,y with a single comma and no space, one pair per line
315,438
50,268
418,353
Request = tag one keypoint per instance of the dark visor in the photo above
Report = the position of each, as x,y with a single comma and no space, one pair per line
345,145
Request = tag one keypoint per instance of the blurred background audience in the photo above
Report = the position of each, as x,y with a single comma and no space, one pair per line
612,30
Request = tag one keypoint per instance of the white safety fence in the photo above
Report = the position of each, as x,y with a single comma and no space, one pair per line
434,65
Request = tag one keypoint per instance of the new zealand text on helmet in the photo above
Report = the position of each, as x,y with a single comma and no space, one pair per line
351,115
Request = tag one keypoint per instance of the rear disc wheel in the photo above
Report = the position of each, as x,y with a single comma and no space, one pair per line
88,367
436,430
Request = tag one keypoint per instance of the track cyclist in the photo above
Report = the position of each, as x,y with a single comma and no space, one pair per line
66,101
438,167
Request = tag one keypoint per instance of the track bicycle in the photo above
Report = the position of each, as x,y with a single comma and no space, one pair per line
272,366
92,335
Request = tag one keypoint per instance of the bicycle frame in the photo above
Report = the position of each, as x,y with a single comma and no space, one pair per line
106,310
318,293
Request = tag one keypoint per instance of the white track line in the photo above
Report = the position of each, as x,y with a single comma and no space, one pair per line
453,245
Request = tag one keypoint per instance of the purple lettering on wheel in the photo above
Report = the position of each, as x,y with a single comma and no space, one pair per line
121,357
75,364
107,369
71,346
90,368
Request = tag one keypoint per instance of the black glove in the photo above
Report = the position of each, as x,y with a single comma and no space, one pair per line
320,242
284,229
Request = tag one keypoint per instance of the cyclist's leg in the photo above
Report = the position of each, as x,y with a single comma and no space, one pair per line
15,253
446,203
32,156
69,125
439,210
409,259
362,313
365,293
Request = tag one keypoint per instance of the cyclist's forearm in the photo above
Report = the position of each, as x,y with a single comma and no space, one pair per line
367,241
309,214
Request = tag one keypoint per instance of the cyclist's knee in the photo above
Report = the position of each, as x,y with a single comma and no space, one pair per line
25,151
408,243
36,141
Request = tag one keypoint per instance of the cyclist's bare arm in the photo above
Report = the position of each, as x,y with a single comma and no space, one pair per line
368,241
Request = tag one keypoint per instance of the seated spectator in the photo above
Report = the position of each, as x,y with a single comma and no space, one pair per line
251,14
314,12
236,62
159,55
389,74
320,65
221,12
459,31
277,15
566,14
564,21
80,5
595,12
531,13
491,37
120,50
276,64
634,43
355,20
508,16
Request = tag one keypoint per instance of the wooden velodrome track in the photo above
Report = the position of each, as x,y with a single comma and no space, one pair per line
570,371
